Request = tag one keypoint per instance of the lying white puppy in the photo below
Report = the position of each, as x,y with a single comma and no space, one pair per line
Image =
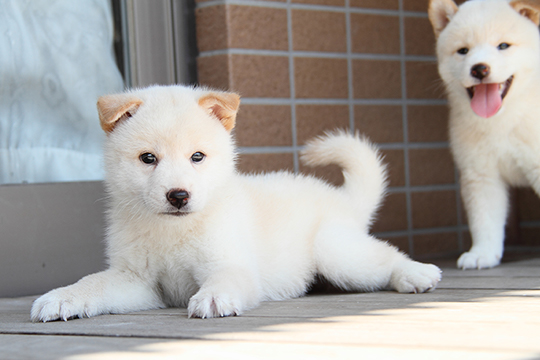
186,229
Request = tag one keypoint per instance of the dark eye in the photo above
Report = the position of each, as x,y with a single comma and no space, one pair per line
463,51
197,157
503,46
148,158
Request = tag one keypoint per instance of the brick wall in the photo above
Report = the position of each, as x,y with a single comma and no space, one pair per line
306,66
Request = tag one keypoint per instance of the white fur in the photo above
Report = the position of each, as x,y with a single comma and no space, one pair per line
491,153
244,238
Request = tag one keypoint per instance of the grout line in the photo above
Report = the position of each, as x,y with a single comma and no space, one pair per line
289,101
266,150
408,199
350,78
317,54
461,240
414,146
422,188
292,88
288,5
383,146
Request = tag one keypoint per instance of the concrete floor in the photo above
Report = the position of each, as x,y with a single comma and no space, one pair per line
489,314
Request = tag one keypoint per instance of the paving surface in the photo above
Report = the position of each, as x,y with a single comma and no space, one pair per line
489,314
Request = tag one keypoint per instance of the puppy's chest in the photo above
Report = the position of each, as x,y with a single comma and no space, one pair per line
177,287
176,279
487,146
181,269
495,140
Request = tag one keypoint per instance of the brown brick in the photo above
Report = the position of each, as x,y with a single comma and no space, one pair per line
401,242
431,167
433,209
331,173
315,30
376,4
212,30
415,5
260,76
255,27
314,120
381,123
435,244
395,161
377,79
375,34
427,123
256,163
213,71
423,81
264,125
419,37
528,205
393,214
321,78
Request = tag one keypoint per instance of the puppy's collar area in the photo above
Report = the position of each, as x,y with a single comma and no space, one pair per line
486,99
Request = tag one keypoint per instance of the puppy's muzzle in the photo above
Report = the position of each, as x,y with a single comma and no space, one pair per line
178,198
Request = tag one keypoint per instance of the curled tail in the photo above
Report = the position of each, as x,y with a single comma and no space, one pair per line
365,174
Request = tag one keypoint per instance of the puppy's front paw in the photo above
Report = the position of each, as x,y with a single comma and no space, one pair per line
415,277
206,304
59,304
473,260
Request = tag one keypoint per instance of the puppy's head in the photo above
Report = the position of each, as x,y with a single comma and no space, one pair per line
168,149
485,48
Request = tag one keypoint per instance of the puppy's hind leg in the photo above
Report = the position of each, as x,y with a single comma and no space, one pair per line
353,260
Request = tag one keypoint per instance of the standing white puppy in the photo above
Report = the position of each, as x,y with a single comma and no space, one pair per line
186,229
489,60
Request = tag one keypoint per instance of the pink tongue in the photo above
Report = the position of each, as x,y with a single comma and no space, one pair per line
486,100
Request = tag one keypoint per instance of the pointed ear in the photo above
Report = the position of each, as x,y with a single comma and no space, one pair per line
114,108
440,12
528,8
222,105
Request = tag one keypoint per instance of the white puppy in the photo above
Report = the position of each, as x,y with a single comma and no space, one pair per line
186,229
489,59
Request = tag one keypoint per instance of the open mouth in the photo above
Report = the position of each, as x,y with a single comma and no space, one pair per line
486,99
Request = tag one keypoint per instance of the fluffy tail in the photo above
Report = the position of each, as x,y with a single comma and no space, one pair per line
365,174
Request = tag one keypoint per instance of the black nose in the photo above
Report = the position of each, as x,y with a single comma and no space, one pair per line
480,71
178,198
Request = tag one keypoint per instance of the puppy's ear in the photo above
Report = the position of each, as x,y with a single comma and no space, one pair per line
222,105
440,12
528,8
114,108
